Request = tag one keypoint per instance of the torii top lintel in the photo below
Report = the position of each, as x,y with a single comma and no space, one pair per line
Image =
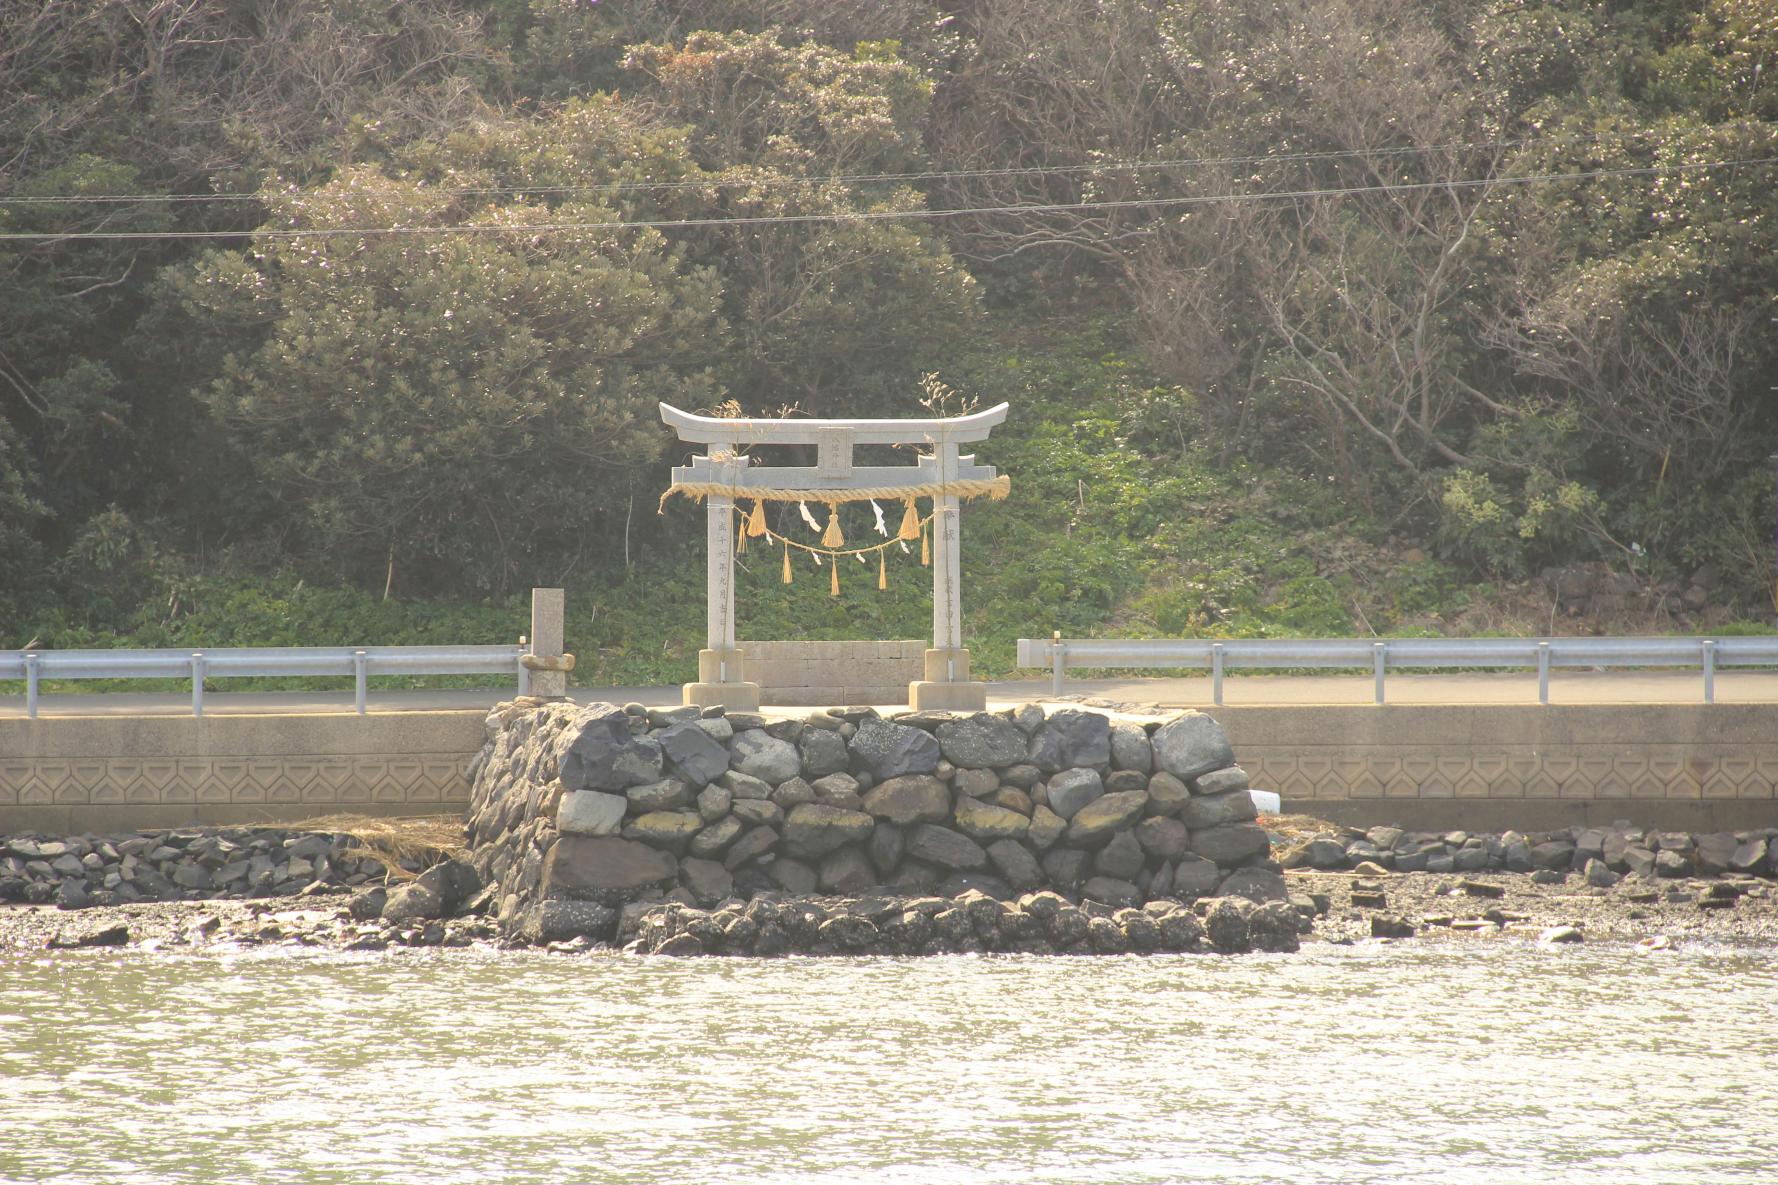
714,430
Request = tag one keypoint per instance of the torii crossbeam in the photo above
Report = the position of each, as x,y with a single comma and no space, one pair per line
725,472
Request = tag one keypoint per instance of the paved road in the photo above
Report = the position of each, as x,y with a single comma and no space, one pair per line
1580,687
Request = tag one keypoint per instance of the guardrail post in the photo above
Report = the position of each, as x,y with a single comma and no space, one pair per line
31,679
1379,659
1058,655
361,679
1709,672
1543,673
1216,673
197,684
544,671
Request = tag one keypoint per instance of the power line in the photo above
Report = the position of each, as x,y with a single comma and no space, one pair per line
1113,166
876,215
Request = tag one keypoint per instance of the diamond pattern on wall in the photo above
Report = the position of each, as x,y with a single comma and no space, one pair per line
1617,775
431,778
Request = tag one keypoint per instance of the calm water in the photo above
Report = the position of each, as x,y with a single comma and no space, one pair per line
1491,1063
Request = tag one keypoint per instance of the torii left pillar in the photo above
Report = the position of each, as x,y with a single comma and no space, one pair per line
720,681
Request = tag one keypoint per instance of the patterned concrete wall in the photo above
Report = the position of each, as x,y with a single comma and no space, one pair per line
93,773
834,672
1618,760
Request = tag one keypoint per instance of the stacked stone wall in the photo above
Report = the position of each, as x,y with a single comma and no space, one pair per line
579,810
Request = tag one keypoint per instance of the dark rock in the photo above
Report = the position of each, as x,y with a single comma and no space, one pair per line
1750,856
672,830
846,870
697,755
1167,795
604,863
758,754
746,787
1106,937
813,830
1561,934
412,901
1715,852
1022,776
708,881
1070,739
1046,828
117,934
1015,863
794,792
841,790
1386,925
559,921
942,846
1482,889
975,783
715,839
1112,892
890,750
1670,863
1273,927
793,876
1640,861
885,846
1130,748
982,741
1072,789
603,755
1598,875
755,842
1555,854
1163,838
1259,885
1120,858
1066,867
823,753
1123,781
985,822
668,794
908,799
73,893
1225,924
367,904
1214,810
1231,843
758,811
1180,930
1190,745
1194,876
1221,781
1094,823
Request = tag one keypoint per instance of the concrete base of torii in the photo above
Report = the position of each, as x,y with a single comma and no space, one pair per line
720,684
947,686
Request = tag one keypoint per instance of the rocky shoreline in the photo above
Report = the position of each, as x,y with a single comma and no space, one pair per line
1321,908
693,831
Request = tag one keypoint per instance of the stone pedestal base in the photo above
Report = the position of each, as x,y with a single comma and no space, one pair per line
720,683
736,697
947,687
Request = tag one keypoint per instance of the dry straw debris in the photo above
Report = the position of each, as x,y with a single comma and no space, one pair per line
394,842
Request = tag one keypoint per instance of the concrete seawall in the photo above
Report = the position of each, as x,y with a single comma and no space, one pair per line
1686,766
77,774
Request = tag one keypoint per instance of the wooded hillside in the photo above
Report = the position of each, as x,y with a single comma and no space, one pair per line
380,295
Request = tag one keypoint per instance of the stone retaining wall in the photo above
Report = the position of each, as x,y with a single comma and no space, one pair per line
578,810
834,672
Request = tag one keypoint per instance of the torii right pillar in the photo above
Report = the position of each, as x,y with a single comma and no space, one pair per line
947,686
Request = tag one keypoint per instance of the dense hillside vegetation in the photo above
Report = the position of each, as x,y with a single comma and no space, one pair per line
345,319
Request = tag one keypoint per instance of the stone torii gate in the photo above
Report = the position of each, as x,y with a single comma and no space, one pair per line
725,473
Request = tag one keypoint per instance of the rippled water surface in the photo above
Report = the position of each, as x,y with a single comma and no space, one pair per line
1495,1063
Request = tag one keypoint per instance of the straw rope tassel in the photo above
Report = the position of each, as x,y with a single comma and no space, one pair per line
756,522
910,522
787,563
882,571
926,545
834,589
741,538
833,537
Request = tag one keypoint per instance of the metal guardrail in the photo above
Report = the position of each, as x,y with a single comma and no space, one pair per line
358,662
1545,654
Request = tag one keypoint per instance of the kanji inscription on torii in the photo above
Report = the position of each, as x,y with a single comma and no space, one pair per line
726,473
